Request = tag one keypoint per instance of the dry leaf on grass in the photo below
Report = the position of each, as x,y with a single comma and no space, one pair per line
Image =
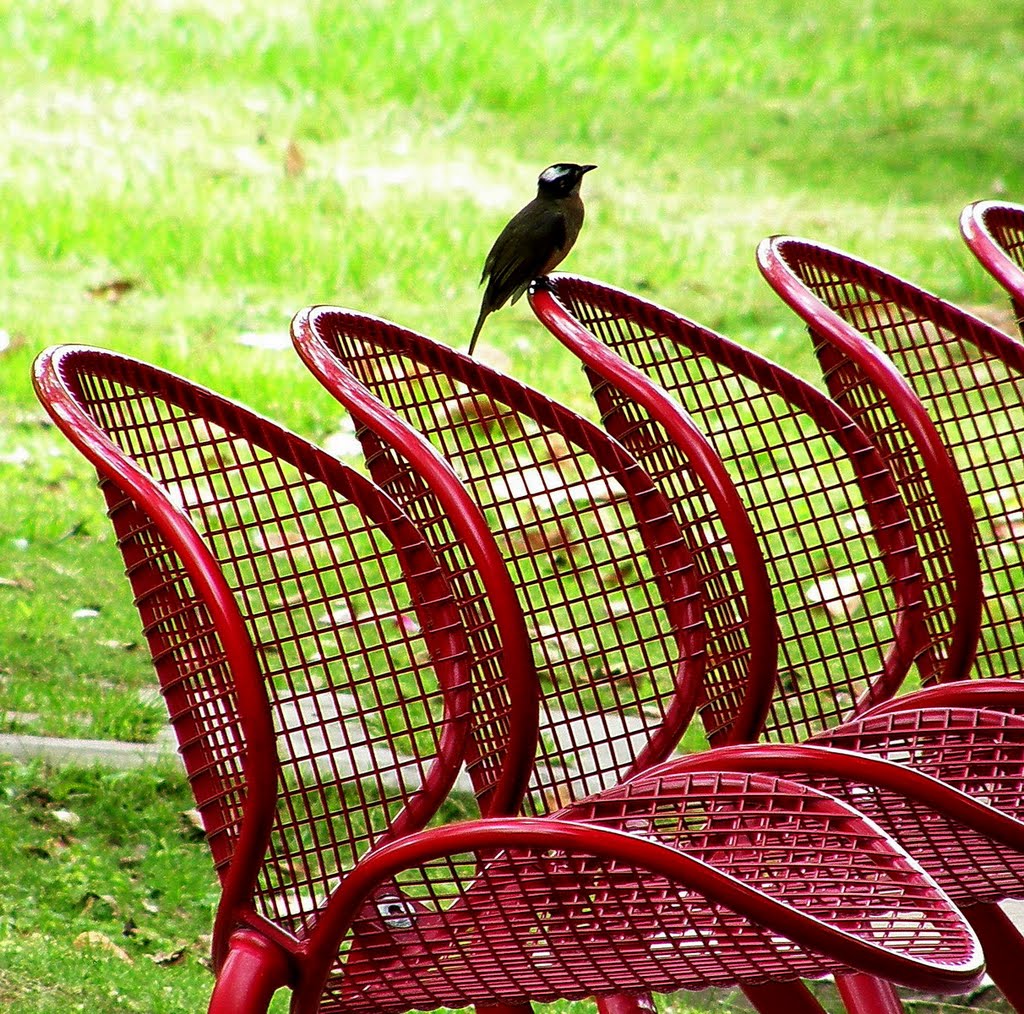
113,290
100,906
115,645
294,161
557,797
837,596
192,825
466,409
167,958
94,940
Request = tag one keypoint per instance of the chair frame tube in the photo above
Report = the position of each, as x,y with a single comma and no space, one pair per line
947,483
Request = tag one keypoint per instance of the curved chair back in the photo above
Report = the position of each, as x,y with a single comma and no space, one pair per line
306,644
629,634
994,231
844,569
318,681
942,394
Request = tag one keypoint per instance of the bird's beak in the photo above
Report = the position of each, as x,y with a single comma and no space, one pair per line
586,168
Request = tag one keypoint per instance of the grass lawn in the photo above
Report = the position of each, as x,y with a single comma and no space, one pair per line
178,178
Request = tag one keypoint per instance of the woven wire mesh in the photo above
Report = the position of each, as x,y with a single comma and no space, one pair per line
345,607
976,400
843,568
609,594
543,924
980,753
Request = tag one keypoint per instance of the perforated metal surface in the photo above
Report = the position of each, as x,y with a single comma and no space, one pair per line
844,568
970,379
980,753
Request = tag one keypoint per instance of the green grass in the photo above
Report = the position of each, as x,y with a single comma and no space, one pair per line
147,142
86,852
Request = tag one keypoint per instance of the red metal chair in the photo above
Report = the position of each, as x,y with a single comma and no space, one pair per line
994,231
318,679
388,376
829,516
614,604
940,392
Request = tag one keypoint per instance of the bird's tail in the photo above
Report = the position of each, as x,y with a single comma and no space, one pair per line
476,330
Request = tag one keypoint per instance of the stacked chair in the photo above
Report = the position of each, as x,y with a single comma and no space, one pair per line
855,602
542,709
940,393
499,436
349,667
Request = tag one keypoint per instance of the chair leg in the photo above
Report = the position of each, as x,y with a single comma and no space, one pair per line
253,971
779,997
626,1003
864,994
1004,950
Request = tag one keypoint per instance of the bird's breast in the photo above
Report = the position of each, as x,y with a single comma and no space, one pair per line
572,218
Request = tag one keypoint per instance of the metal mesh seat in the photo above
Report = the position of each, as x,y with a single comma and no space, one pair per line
969,377
664,932
317,676
632,624
940,393
994,231
828,515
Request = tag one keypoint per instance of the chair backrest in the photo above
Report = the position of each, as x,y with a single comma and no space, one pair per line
994,231
942,392
844,569
615,608
306,643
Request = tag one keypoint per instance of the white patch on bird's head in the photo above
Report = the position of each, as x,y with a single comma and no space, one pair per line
561,179
556,172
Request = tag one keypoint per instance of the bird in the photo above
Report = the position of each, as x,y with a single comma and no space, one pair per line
535,241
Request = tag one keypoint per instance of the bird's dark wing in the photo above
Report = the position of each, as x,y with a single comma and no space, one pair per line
522,250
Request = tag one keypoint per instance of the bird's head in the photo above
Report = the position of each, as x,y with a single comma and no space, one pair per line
561,179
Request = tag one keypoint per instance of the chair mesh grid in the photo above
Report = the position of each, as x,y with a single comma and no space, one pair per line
980,753
355,665
974,398
1005,224
837,546
609,594
1007,227
358,645
530,924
